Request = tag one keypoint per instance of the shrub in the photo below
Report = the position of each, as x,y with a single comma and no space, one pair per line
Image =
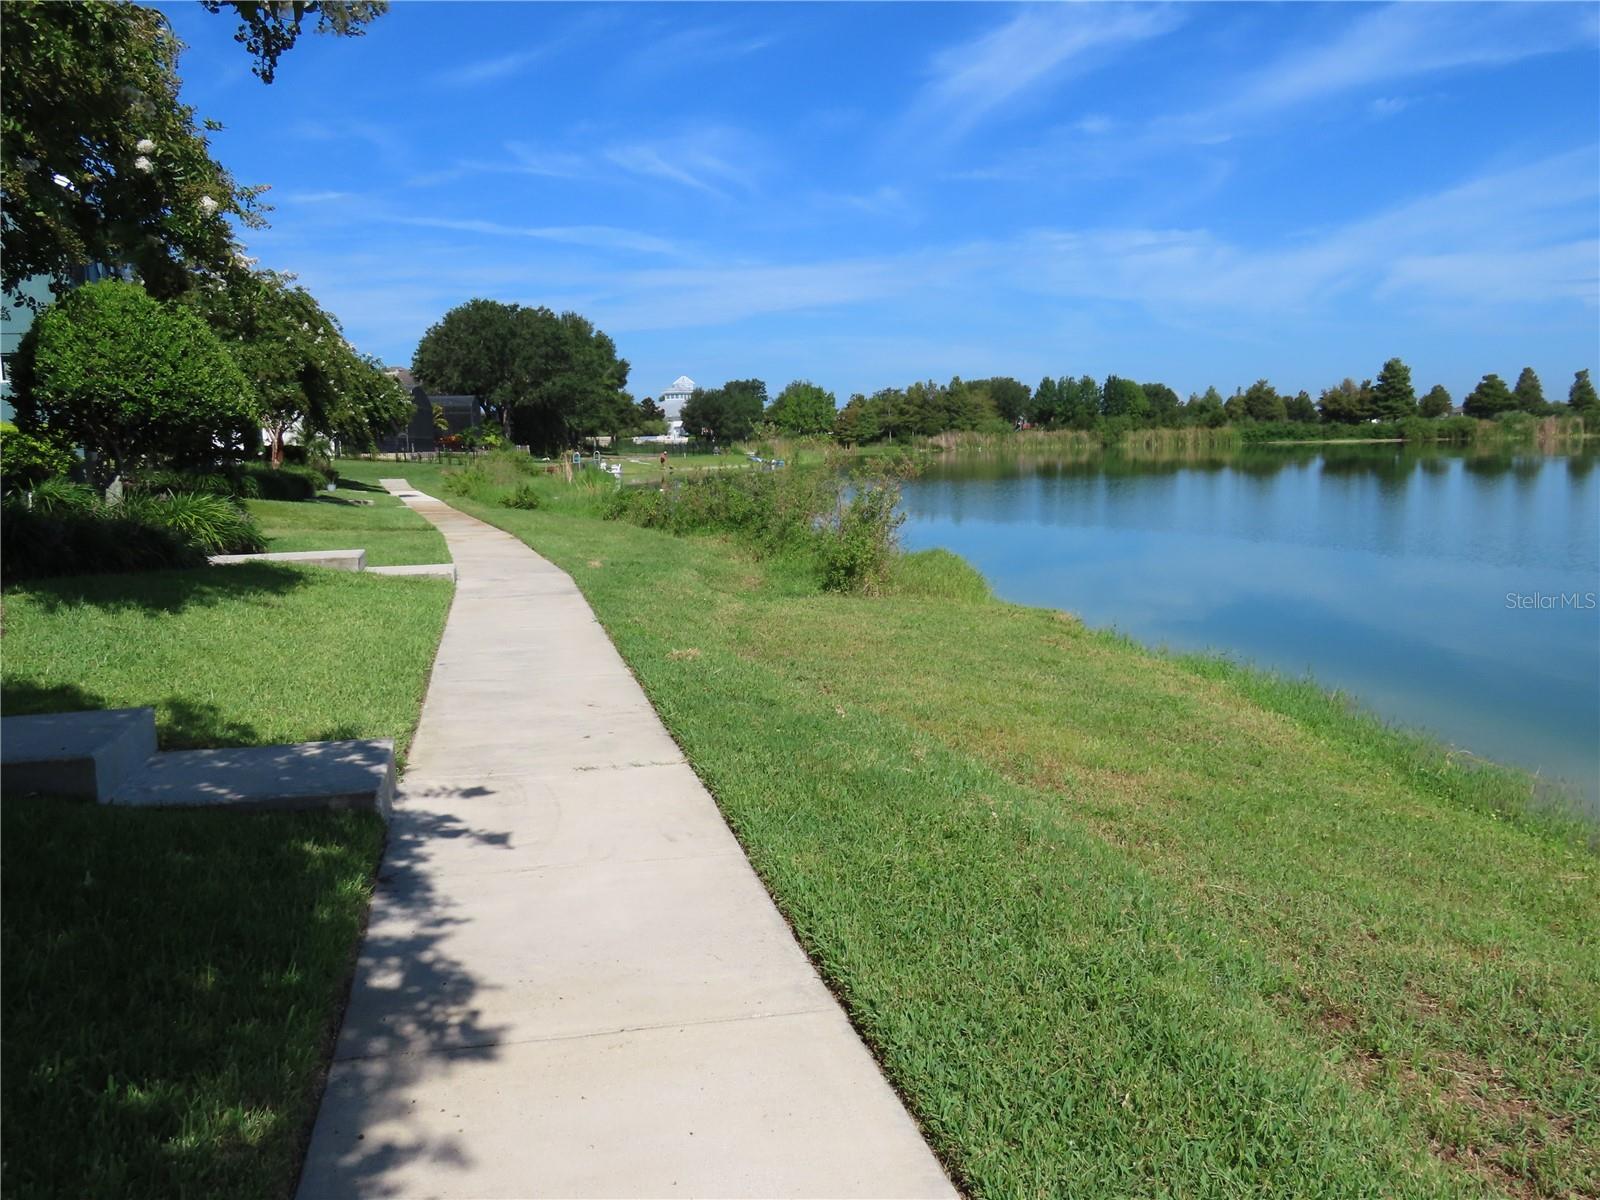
38,544
61,497
111,367
858,547
215,524
526,496
27,458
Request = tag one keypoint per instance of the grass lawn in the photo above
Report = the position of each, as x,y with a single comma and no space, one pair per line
172,978
1120,924
229,656
391,533
170,981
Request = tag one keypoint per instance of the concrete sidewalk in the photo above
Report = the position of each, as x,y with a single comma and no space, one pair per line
572,983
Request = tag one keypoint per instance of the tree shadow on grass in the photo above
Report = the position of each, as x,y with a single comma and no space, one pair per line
346,484
165,591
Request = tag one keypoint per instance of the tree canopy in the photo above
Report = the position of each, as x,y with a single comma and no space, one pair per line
549,380
1489,399
305,374
127,377
1393,398
727,413
1581,396
99,160
1529,392
803,409
268,28
1436,403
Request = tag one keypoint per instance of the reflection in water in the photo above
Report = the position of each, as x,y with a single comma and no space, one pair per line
1447,589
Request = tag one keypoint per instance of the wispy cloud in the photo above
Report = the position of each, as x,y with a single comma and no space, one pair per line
1038,47
603,237
488,70
709,161
1396,42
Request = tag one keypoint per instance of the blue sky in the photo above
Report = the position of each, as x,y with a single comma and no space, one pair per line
865,195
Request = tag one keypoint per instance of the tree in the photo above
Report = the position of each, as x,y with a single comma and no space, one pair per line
471,351
1080,402
857,422
1012,399
1301,408
1581,396
1046,404
1261,402
546,379
1206,410
803,409
727,413
1529,392
650,411
1436,403
1489,399
305,375
129,378
99,161
268,28
1123,398
1345,403
1392,396
1166,409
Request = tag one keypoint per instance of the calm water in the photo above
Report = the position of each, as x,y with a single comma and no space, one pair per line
1391,574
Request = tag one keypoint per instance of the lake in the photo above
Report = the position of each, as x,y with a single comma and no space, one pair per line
1447,590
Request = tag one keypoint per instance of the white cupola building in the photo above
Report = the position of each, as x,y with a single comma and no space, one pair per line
671,399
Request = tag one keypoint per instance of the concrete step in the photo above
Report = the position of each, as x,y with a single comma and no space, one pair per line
82,755
335,560
444,570
345,775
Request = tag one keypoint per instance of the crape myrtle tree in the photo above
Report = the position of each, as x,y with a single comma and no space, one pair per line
1489,399
1581,396
113,369
803,409
99,160
306,376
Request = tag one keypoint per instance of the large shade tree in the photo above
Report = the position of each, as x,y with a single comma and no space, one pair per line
803,409
547,379
727,413
114,370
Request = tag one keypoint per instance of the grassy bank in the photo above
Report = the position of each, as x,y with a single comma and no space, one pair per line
172,978
1121,924
357,516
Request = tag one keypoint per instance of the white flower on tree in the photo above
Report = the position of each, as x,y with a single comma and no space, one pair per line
208,205
145,146
142,163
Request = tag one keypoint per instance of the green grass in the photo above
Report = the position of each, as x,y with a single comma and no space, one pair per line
229,656
170,984
358,516
1119,924
172,978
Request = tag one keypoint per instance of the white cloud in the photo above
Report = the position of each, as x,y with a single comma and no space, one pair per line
1038,47
488,70
602,237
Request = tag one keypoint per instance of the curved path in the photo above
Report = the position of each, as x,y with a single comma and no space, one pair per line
572,982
